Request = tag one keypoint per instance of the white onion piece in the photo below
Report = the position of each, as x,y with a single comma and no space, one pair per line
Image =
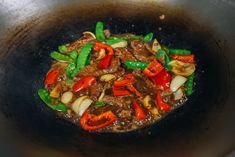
76,104
156,46
101,95
84,105
177,82
178,94
120,44
181,68
89,33
101,55
66,97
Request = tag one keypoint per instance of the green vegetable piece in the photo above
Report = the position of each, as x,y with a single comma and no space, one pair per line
179,52
60,57
99,31
45,97
189,84
69,70
99,104
136,64
62,49
73,54
126,38
148,37
113,41
88,60
166,57
69,82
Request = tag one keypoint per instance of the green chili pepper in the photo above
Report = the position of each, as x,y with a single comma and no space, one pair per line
99,104
45,97
62,49
148,37
136,64
179,52
125,38
189,84
69,70
60,57
166,57
113,41
88,59
99,31
73,54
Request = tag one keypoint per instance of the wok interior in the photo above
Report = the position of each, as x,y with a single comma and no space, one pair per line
27,61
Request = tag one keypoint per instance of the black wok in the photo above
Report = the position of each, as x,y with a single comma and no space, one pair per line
29,30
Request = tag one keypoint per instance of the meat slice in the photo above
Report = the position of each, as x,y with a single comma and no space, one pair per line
118,101
124,54
139,51
95,91
95,71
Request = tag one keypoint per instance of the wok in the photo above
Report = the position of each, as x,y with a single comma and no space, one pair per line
29,30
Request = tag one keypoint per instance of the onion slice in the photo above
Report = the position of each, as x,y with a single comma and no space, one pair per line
178,94
76,104
84,106
177,82
181,68
120,44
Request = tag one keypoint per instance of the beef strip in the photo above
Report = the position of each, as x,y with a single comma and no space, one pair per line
95,91
118,101
123,54
95,71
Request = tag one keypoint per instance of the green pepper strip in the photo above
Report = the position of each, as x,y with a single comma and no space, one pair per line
73,54
113,41
60,57
167,58
99,31
62,49
189,84
135,64
82,58
99,104
69,70
179,52
45,97
148,37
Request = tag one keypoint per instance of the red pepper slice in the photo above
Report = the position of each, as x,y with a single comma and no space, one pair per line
92,122
84,83
162,80
134,90
129,78
105,62
119,91
153,68
161,104
139,113
51,77
184,58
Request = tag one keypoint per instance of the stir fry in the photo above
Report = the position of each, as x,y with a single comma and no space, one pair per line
117,82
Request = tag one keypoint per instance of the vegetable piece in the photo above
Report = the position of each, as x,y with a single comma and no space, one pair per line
177,82
101,54
161,104
62,49
139,113
51,77
136,64
113,41
134,90
179,52
66,97
178,94
87,33
60,57
84,83
55,93
120,44
184,58
76,104
84,106
130,37
92,122
73,54
83,55
189,84
153,68
162,80
105,62
162,53
156,46
120,91
99,104
99,31
107,77
148,37
45,97
128,79
70,69
181,68
101,95
147,105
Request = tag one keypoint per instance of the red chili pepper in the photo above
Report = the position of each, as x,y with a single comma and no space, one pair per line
162,80
92,122
161,104
105,62
84,83
119,91
153,68
51,77
184,58
139,113
134,90
129,78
